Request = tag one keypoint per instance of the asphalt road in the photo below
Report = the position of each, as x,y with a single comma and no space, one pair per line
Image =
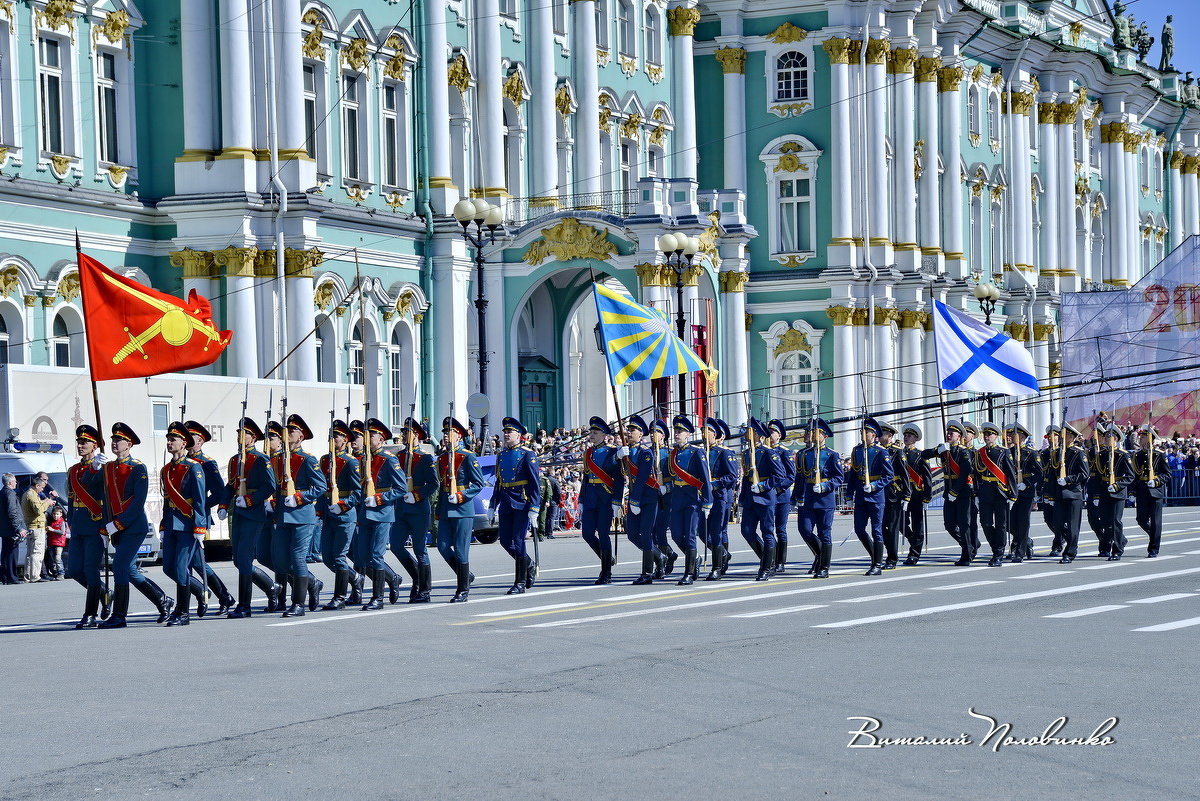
733,689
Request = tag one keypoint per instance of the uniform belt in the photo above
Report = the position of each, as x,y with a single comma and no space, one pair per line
597,481
520,483
679,483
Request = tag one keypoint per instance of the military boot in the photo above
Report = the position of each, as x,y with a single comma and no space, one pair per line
90,605
531,571
179,615
378,580
518,587
394,582
299,596
714,573
155,595
766,563
244,599
315,585
780,556
356,588
219,591
647,575
876,559
660,562
200,593
425,577
120,609
341,583
826,555
464,583
605,576
689,567
269,588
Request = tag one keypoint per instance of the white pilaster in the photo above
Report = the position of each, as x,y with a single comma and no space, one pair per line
237,113
241,358
879,194
1048,158
681,22
442,192
929,202
845,371
1067,261
1174,188
498,345
884,376
905,124
543,152
199,77
451,275
735,358
949,79
733,66
841,245
587,86
490,78
1114,168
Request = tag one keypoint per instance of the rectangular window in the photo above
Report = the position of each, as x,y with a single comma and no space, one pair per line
50,86
106,106
394,370
508,8
310,110
391,136
357,374
352,166
161,412
560,17
795,216
626,166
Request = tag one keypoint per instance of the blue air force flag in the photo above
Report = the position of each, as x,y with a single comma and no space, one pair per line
639,342
973,357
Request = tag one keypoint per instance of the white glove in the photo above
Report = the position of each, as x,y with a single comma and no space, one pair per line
222,514
821,488
635,509
1047,501
616,509
337,508
1062,482
199,535
492,515
1020,486
291,501
663,489
1152,483
622,452
269,505
1095,501
1112,488
759,488
111,528
410,498
942,448
869,487
706,508
99,461
240,501
372,502
533,517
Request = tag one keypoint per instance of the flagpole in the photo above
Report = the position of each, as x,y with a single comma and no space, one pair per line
616,405
937,360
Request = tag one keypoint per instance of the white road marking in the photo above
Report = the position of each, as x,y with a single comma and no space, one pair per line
1040,575
966,585
1177,624
875,597
1175,596
1091,610
1004,599
535,608
1104,566
1190,553
784,611
1158,559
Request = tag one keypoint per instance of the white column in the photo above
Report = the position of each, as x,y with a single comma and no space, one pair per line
1191,222
488,100
199,77
902,61
451,274
587,87
1131,269
1048,157
302,364
1065,131
885,374
733,66
237,113
499,347
1174,188
290,78
949,79
682,24
929,202
845,371
879,195
842,216
241,359
543,129
735,361
1019,198
910,368
1113,137
442,191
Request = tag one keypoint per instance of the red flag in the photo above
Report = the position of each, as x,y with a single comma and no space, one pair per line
136,331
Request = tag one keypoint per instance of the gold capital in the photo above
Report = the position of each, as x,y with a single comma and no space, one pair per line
840,315
733,60
927,69
877,51
902,60
733,281
949,79
682,21
838,50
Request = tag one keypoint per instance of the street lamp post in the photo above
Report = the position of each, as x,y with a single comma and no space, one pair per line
484,216
987,294
680,251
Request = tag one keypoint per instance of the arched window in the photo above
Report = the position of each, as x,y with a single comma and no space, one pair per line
974,121
994,116
626,27
790,164
357,362
791,76
975,257
60,343
653,35
796,386
326,351
396,377
628,160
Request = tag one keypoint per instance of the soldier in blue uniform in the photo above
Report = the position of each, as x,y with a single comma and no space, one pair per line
215,489
184,518
246,494
601,494
382,485
762,477
294,509
783,499
126,485
339,520
723,470
358,559
414,514
85,516
665,555
870,473
270,553
970,434
517,496
459,481
819,475
690,495
644,476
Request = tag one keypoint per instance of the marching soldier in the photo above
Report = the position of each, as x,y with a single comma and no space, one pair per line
970,434
664,560
1151,473
414,513
691,494
214,486
339,518
1111,465
1071,475
246,494
896,496
762,476
644,472
184,518
301,485
600,496
920,480
517,496
266,547
783,498
995,488
382,485
723,469
360,548
1050,490
819,474
126,484
85,494
1028,474
870,473
460,480
956,469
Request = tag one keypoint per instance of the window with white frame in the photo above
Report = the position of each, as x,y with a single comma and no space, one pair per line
994,116
560,17
796,378
791,76
975,257
357,366
508,8
392,147
7,95
322,348
790,163
396,376
513,141
51,123
654,47
974,121
795,215
627,27
654,162
352,128
628,159
606,170
602,24
312,111
106,107
60,343
3,340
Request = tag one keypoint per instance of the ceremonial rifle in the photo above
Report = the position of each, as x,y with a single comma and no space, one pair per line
1150,444
452,466
334,496
368,470
1062,456
1112,457
289,483
242,444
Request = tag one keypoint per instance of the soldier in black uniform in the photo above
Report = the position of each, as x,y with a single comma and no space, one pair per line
1050,494
1070,474
995,489
956,469
920,479
1111,465
970,434
1152,473
896,496
1029,478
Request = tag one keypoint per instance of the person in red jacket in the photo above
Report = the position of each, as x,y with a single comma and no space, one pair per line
57,533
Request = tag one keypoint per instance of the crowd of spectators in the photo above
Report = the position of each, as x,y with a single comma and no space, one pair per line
33,524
